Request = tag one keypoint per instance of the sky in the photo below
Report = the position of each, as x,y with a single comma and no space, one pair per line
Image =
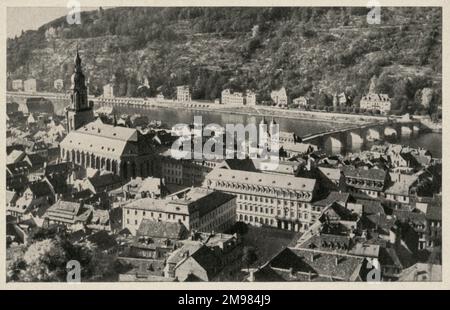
31,18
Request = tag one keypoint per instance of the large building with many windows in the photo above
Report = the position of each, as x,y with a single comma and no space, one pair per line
281,201
199,210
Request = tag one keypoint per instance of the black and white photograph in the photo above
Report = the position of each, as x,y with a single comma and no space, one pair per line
244,144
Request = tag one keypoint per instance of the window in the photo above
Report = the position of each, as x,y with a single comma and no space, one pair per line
128,211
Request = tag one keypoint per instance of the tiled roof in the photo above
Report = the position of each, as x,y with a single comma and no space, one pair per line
335,265
157,229
331,173
40,188
159,205
332,198
36,159
367,174
241,164
263,179
371,206
60,168
101,181
434,213
68,212
18,167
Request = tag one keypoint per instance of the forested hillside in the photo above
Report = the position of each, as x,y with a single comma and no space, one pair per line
314,52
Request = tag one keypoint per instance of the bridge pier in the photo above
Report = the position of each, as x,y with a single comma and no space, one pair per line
390,131
406,131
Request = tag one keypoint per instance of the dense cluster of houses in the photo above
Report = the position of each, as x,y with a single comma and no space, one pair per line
166,218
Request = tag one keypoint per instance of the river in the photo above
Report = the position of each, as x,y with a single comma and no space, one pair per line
301,127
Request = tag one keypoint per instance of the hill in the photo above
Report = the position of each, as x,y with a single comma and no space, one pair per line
313,52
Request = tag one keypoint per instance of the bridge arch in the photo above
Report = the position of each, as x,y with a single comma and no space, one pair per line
372,134
390,131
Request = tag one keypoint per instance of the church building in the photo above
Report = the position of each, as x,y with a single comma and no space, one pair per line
92,144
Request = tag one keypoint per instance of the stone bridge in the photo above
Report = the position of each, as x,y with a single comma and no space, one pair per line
355,136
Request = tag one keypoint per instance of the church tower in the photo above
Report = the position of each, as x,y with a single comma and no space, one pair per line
80,112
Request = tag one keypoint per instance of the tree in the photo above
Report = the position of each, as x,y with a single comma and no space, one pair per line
249,256
45,261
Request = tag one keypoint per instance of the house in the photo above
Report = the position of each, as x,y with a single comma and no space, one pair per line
156,239
342,99
29,85
15,156
108,91
197,264
183,93
36,197
293,264
279,97
301,102
17,175
17,85
250,98
72,215
401,187
141,188
102,183
434,222
372,101
162,230
421,272
36,162
233,98
370,182
58,84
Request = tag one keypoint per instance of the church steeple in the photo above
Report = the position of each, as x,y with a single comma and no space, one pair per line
80,111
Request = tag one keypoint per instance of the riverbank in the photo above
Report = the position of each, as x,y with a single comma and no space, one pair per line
265,111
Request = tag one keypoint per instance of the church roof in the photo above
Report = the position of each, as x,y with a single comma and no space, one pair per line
99,138
98,128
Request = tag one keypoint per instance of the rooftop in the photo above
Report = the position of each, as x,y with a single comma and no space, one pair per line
263,179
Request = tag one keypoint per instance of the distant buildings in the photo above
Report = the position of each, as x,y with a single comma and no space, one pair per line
279,97
29,85
250,98
183,93
58,84
372,101
302,102
238,98
17,85
108,91
234,98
